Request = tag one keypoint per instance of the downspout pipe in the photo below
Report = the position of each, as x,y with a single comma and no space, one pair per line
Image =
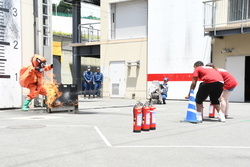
35,13
76,67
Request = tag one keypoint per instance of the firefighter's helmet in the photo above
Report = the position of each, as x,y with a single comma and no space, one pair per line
38,61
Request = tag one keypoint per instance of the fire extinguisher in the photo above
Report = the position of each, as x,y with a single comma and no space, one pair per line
211,111
145,117
152,117
137,110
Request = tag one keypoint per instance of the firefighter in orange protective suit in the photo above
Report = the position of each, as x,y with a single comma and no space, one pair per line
31,77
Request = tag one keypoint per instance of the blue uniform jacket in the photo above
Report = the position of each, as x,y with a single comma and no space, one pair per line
88,75
164,89
98,77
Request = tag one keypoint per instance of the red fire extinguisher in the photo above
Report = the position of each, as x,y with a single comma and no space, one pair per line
152,117
137,110
211,111
145,117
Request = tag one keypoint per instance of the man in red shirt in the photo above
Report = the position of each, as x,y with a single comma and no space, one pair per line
212,86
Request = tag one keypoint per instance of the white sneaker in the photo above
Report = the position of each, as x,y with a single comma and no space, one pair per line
199,118
222,117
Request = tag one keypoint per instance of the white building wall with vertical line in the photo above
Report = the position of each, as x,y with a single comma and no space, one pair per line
176,40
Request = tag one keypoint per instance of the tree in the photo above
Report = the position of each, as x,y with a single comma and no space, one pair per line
62,7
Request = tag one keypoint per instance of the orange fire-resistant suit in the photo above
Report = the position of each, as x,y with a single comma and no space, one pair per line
32,76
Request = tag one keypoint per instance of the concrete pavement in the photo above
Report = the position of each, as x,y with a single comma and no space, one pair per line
100,135
98,103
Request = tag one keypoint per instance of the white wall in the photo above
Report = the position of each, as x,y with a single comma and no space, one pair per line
64,24
132,24
176,40
236,66
27,21
10,55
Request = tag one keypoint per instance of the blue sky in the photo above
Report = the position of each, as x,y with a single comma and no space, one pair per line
87,9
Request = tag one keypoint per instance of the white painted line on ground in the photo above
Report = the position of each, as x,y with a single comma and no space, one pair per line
96,128
3,126
219,147
102,136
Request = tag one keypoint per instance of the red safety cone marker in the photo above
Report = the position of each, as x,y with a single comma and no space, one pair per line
191,111
211,111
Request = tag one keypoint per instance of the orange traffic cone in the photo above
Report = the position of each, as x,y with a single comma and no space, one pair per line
211,111
191,111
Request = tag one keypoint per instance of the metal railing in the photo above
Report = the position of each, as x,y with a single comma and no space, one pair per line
89,32
226,14
70,15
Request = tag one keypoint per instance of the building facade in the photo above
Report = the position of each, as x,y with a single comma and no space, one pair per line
26,30
124,48
155,39
227,22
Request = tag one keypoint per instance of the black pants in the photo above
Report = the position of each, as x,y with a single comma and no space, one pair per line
213,90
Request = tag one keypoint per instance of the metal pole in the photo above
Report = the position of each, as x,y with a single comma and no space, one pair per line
76,68
35,9
80,33
242,16
214,17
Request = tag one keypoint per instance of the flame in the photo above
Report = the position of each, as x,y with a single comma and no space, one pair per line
51,87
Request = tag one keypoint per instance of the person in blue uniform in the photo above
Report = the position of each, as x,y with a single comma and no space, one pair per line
98,80
164,90
88,81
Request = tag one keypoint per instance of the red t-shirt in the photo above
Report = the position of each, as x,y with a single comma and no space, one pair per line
207,74
229,81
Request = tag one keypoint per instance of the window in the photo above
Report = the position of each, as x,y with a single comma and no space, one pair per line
46,22
129,19
239,10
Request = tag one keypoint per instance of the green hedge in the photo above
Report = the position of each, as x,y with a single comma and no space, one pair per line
70,15
70,35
